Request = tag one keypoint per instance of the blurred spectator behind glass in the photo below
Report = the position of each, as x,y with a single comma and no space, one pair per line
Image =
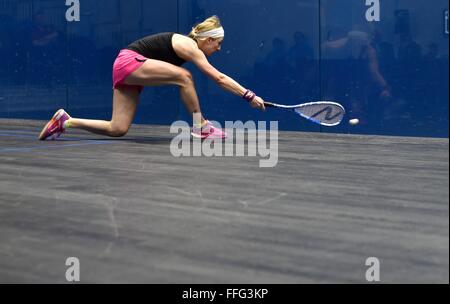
302,69
273,69
47,51
300,51
42,33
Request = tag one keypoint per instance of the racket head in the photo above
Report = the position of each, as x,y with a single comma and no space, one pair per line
325,113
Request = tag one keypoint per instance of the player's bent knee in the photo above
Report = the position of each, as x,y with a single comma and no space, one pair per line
186,78
119,131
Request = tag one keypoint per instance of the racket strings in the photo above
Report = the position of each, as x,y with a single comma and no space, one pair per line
326,114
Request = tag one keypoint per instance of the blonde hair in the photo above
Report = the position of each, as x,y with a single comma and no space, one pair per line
209,24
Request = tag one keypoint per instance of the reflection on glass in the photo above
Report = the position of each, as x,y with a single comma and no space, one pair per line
358,78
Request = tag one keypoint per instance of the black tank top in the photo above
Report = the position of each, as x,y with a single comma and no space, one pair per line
157,47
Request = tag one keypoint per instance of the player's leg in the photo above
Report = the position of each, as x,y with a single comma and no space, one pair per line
125,101
155,72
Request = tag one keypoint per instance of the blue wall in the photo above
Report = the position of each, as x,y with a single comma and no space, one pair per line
392,74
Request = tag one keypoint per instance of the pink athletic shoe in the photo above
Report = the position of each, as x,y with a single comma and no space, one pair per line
55,127
208,131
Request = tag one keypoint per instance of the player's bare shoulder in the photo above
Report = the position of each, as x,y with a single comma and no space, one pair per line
184,46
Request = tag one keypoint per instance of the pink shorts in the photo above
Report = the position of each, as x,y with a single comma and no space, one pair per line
126,63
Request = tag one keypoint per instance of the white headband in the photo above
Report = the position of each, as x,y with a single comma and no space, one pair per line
215,33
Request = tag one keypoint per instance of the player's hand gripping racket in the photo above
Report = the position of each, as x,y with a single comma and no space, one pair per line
325,113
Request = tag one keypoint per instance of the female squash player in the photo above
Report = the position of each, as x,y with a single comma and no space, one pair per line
156,60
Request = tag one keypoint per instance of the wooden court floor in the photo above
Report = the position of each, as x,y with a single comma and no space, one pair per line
131,212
